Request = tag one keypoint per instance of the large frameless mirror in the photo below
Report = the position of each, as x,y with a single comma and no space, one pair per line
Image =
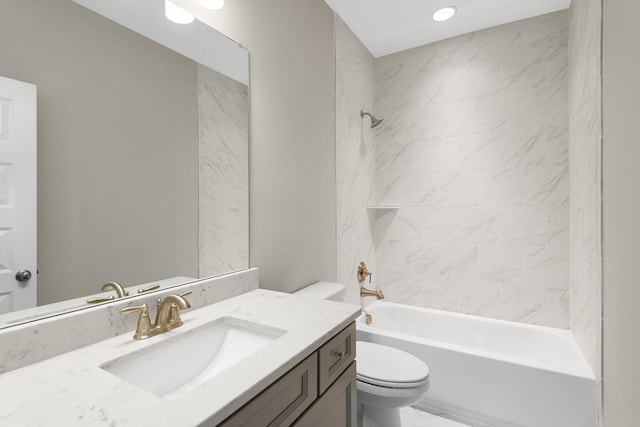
141,153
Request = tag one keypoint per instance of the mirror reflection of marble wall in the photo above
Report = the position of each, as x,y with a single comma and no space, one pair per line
121,120
223,117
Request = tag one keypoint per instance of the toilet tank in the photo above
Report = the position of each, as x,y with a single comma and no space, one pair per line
324,290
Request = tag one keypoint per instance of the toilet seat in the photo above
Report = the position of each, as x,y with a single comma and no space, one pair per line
384,366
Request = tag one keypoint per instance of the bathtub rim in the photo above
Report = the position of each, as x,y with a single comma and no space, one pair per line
582,371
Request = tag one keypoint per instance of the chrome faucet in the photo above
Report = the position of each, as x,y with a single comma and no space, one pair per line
167,316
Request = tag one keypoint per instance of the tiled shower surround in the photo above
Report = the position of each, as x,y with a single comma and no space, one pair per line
585,154
473,153
355,157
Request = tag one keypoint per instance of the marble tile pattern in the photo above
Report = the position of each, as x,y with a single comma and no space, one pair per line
72,390
474,151
28,343
355,157
585,173
223,151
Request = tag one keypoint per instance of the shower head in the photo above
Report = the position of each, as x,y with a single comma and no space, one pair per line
375,121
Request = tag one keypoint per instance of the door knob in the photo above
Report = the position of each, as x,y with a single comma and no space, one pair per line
23,276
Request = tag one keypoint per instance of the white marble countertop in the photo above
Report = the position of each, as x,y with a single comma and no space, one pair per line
72,390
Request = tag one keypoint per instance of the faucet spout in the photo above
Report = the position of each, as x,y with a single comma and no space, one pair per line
168,316
364,292
116,287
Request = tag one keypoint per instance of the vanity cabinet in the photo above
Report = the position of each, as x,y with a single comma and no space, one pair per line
336,407
319,391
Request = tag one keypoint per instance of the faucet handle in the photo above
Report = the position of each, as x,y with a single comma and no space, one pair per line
143,329
363,272
148,289
140,308
99,300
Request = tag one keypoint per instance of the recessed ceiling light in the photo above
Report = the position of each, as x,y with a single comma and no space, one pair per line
211,4
444,13
177,14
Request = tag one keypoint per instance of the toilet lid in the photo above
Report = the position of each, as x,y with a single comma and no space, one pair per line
385,366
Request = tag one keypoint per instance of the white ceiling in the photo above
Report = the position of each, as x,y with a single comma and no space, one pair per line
388,26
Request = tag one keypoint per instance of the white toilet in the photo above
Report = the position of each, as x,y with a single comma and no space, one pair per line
386,378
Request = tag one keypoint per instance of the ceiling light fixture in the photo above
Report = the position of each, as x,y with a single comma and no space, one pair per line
177,14
444,13
211,4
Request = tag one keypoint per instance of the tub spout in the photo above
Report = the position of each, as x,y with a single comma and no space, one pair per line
364,292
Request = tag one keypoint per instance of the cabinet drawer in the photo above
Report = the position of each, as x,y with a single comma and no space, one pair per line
335,356
284,401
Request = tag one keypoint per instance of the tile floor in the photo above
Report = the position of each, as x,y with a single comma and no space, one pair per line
412,417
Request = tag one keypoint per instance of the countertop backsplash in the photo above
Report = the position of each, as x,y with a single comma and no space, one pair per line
28,343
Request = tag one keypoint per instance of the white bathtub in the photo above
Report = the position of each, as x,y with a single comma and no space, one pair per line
501,373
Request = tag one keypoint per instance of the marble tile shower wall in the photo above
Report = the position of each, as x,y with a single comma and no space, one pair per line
223,151
355,157
474,152
585,154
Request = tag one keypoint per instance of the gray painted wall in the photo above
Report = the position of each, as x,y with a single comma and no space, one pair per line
621,210
102,106
292,160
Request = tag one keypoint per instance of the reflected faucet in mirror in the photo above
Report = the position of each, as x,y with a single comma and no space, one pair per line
116,287
149,289
120,292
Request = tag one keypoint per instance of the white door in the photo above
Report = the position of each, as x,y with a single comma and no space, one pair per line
17,195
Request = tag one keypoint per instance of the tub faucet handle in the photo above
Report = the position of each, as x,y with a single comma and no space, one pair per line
363,272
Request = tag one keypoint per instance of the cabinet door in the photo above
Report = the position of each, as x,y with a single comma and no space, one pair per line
335,356
336,407
283,402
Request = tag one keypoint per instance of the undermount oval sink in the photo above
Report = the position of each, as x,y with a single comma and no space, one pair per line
174,366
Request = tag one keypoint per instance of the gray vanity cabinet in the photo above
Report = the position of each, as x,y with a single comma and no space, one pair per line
319,392
335,408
